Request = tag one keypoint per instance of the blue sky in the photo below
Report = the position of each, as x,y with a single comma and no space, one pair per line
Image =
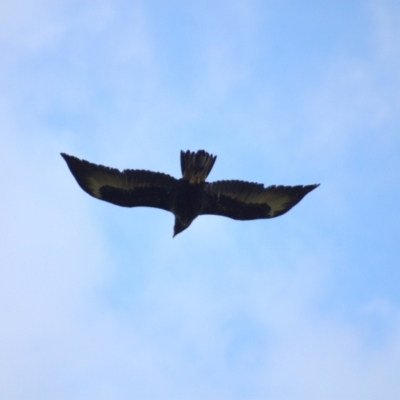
100,302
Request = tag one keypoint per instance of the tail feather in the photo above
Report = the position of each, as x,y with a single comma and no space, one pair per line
196,165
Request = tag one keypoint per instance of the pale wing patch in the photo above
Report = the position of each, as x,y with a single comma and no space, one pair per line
96,180
126,180
92,177
278,198
246,192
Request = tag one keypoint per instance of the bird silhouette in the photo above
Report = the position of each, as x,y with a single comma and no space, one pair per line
189,196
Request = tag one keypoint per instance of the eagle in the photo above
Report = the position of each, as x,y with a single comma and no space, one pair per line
189,196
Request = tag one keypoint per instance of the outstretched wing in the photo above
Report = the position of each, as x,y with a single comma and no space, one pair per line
246,200
129,188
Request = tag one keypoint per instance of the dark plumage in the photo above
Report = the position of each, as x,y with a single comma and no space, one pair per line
189,196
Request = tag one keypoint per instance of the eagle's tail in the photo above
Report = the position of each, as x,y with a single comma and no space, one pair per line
196,166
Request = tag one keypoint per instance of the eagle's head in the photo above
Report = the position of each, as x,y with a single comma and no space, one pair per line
181,223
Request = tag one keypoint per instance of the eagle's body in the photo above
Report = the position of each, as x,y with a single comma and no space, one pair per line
189,196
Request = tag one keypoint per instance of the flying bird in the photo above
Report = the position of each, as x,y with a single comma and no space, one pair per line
189,196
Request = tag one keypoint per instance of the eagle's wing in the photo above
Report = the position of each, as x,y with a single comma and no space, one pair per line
129,188
246,200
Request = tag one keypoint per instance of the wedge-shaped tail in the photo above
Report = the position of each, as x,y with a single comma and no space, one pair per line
196,166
